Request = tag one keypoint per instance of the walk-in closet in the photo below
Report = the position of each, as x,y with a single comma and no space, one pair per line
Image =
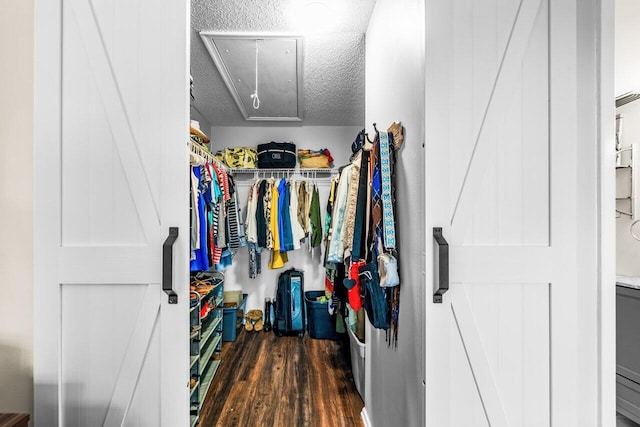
293,214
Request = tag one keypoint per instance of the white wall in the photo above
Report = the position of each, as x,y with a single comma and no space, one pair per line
16,205
627,65
205,126
338,140
394,383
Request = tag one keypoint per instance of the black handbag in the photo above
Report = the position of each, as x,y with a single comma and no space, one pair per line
277,155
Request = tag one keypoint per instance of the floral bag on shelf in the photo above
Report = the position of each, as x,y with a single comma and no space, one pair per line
315,159
238,157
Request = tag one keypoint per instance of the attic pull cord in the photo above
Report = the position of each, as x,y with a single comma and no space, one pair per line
254,96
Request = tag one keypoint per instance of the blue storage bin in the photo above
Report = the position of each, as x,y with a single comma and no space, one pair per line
320,324
233,320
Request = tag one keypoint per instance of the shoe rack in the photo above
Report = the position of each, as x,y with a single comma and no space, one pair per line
206,317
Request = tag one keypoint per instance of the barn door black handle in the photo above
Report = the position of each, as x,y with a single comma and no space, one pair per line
443,265
167,265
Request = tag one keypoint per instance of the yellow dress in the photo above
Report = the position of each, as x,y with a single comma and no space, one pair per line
278,259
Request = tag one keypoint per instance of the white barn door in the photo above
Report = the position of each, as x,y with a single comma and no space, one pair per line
111,179
502,347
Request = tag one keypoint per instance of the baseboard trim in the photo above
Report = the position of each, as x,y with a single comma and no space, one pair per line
365,418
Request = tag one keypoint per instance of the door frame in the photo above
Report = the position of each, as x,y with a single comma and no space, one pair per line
605,64
47,132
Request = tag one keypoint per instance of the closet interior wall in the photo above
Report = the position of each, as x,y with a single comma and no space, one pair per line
395,388
338,140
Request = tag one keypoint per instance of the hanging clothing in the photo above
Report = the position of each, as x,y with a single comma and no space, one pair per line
195,216
336,246
250,222
316,222
268,195
388,221
296,227
285,217
232,220
361,232
376,200
352,202
201,261
278,259
303,217
259,215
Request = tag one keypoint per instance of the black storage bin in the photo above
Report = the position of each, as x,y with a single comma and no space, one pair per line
320,324
277,155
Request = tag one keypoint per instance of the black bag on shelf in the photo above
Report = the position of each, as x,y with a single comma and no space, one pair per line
277,155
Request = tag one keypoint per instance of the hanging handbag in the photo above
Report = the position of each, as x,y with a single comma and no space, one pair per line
374,301
277,155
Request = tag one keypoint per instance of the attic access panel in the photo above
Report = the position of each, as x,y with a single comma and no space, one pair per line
279,72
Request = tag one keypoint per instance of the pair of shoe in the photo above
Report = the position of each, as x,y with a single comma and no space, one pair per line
253,321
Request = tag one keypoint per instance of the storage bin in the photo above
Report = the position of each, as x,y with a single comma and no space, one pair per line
232,298
357,348
320,324
233,320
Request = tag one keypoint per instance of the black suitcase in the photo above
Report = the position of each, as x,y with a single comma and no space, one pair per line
289,310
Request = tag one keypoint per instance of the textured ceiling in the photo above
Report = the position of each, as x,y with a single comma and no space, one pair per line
333,60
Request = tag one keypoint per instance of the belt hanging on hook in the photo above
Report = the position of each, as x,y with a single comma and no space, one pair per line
254,95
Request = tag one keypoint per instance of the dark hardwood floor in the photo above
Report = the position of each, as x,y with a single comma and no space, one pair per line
280,382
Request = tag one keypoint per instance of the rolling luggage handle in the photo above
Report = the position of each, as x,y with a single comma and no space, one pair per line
443,265
167,265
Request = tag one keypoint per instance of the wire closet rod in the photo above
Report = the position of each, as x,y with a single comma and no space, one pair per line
307,173
203,154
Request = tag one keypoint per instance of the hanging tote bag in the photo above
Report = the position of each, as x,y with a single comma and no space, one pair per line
374,300
277,155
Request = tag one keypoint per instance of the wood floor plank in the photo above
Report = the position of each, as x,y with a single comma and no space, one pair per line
269,381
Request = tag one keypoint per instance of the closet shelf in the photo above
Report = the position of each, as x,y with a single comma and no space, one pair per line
194,359
206,357
209,330
207,379
291,171
194,388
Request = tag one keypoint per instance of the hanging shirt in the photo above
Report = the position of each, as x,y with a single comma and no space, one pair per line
282,190
336,247
201,261
250,219
316,224
278,259
352,202
261,222
302,206
195,217
268,194
298,231
274,220
285,213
